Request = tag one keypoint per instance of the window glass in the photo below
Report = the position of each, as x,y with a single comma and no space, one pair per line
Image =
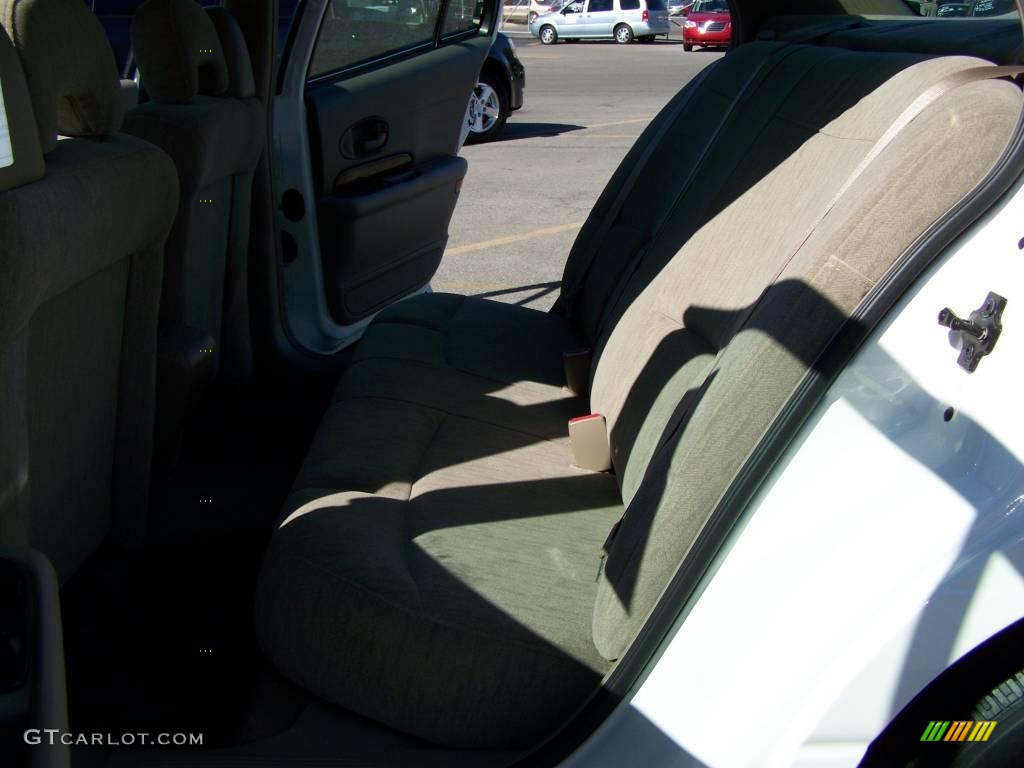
6,153
596,6
356,31
656,5
462,16
629,5
710,6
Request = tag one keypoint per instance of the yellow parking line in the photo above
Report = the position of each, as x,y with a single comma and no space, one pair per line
469,248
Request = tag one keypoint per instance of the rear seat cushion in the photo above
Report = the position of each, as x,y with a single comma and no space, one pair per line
540,410
177,49
77,95
501,342
441,583
690,326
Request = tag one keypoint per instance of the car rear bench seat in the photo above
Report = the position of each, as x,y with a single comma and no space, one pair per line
438,566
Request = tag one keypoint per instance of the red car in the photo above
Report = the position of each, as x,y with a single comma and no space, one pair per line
707,24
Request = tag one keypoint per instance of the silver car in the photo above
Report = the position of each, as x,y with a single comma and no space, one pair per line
624,20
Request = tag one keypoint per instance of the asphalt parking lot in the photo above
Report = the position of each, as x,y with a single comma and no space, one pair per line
527,194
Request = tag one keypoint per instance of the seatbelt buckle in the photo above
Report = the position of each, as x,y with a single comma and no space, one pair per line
576,364
589,438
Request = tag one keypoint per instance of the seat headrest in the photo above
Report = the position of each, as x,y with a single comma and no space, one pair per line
69,68
21,158
178,52
241,82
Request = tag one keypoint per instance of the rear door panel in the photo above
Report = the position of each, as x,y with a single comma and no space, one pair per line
384,149
383,100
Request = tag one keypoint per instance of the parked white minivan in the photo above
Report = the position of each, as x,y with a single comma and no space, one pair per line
624,20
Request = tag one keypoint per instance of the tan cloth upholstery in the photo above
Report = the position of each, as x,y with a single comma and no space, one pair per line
714,291
69,68
178,51
79,285
215,142
429,579
497,341
241,83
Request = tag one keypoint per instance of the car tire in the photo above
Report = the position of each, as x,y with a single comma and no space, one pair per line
492,110
623,34
548,35
687,47
1005,705
532,17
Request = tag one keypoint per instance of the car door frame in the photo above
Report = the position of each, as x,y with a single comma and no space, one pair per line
304,313
597,20
578,27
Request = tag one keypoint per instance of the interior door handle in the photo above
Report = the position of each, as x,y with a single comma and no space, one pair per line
368,145
367,137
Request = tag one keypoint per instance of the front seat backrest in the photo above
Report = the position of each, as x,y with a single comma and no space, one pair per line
84,211
203,112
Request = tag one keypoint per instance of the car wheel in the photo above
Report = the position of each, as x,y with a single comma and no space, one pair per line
623,34
548,36
687,46
532,17
488,109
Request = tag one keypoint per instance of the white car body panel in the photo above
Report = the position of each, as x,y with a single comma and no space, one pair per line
886,543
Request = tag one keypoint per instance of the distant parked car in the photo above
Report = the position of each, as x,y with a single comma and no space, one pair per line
708,24
515,10
540,7
623,20
975,8
498,92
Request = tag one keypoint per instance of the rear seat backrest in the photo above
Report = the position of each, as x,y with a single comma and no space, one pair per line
80,268
204,114
671,367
